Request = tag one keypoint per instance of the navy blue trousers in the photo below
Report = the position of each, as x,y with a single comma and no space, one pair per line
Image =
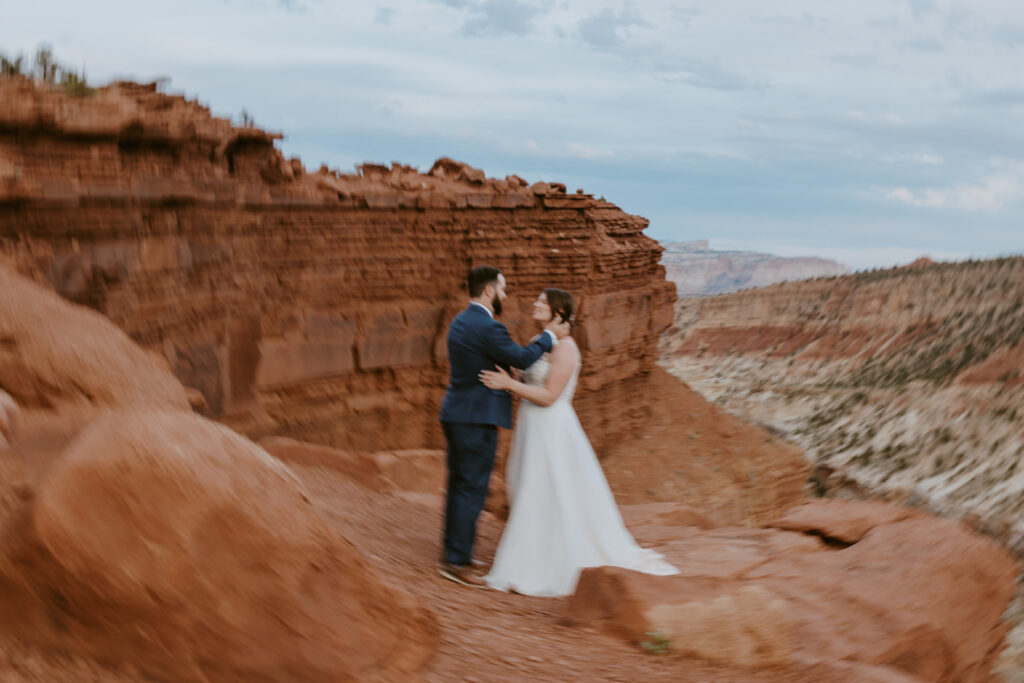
471,449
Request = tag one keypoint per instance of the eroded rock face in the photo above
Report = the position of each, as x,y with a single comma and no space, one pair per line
163,545
170,543
748,628
314,306
842,521
136,534
904,383
52,352
918,596
311,305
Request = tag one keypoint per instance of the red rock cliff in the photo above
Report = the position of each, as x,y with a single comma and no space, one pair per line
313,305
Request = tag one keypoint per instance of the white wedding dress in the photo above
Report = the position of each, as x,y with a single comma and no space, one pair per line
563,516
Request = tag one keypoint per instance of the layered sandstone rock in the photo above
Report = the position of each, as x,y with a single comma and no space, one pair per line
903,382
138,535
171,543
314,305
166,546
311,305
819,611
53,352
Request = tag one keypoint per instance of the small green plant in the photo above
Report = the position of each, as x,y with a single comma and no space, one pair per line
657,643
48,71
12,67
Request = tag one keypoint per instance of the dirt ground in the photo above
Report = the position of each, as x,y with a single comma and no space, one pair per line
487,635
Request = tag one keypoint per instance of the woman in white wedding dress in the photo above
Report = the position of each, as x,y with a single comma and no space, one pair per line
563,516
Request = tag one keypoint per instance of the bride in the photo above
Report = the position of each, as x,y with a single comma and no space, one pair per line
562,517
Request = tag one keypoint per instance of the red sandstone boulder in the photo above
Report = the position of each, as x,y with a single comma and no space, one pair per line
169,544
360,468
915,598
665,515
421,470
55,351
446,167
842,520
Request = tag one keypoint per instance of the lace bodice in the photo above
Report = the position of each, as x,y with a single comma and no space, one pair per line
537,374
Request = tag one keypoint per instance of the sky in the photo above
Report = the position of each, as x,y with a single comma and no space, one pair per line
869,132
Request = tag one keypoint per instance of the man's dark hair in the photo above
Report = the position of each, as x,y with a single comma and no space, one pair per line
479,278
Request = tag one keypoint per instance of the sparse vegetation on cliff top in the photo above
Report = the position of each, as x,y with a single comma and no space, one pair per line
45,69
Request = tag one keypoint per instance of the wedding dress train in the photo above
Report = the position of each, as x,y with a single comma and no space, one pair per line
563,516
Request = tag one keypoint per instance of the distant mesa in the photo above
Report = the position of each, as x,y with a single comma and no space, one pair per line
698,270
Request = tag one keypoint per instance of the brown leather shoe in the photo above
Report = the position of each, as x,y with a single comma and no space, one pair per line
461,574
477,565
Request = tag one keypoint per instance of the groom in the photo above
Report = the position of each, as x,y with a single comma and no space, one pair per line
471,413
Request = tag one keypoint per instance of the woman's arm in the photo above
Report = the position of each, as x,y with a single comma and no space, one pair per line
563,361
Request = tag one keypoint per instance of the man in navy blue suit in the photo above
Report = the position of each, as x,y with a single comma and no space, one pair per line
471,413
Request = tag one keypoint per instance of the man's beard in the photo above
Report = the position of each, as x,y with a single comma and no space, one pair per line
496,305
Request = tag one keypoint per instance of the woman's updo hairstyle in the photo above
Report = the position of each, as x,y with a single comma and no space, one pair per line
561,303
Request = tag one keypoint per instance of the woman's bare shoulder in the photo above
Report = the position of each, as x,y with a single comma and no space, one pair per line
567,349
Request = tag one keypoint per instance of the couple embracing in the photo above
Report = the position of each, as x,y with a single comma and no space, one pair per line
562,516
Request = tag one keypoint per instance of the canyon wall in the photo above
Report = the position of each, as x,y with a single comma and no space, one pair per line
904,382
313,305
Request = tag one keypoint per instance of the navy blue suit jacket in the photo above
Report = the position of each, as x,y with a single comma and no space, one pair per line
478,342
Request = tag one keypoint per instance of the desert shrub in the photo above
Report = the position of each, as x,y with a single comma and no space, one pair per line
47,70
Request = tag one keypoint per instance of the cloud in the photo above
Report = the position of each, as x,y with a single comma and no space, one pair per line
997,97
702,73
858,59
296,6
991,194
684,15
587,151
959,21
495,17
921,9
924,45
804,20
1010,35
608,28
924,158
889,23
383,15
